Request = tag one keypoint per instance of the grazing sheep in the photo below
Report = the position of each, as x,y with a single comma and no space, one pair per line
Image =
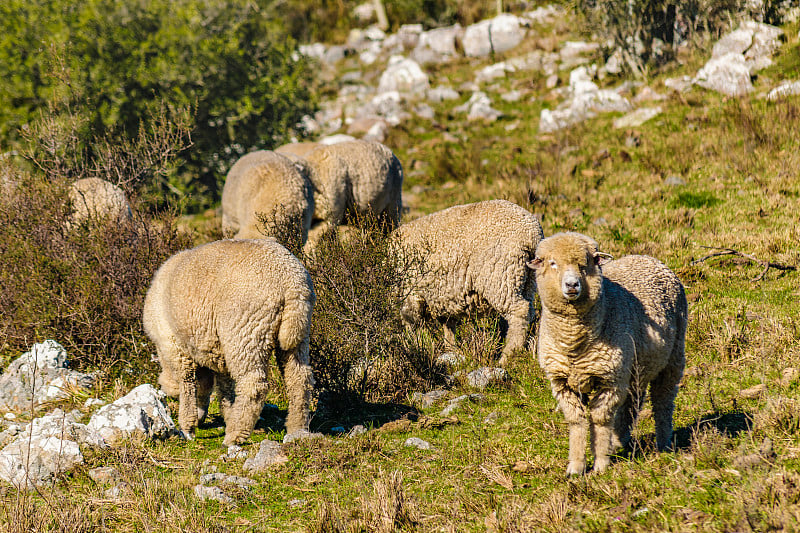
473,260
296,151
354,178
265,194
216,313
604,335
97,198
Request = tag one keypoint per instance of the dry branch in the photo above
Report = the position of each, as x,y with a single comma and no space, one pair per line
730,251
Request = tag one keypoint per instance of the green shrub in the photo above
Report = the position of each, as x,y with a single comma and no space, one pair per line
225,59
359,347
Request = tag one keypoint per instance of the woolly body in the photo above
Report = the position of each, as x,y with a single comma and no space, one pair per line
473,261
354,178
295,151
97,198
265,191
606,332
216,313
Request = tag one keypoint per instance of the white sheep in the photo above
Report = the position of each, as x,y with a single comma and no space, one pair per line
605,334
266,194
296,151
95,198
473,259
218,312
354,178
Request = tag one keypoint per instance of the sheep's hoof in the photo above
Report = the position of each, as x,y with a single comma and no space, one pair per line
188,435
576,468
601,464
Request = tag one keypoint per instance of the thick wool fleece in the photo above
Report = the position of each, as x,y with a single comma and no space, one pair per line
217,313
472,260
266,192
605,334
98,198
296,151
354,178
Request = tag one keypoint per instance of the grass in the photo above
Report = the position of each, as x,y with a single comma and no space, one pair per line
498,465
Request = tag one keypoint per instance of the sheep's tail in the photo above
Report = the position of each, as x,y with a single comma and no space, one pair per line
296,322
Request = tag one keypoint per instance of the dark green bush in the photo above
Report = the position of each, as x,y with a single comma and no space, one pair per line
359,346
225,59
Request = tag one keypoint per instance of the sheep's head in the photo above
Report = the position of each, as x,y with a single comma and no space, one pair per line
568,277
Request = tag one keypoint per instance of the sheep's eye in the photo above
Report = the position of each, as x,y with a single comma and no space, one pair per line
553,264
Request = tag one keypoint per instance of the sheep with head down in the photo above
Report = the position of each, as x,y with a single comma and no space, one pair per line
217,314
607,333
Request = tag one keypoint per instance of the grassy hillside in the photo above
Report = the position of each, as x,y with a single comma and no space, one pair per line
708,173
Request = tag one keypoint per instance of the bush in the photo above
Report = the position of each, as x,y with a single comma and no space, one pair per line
81,285
359,346
226,59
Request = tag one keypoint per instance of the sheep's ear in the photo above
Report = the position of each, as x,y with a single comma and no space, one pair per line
534,263
601,258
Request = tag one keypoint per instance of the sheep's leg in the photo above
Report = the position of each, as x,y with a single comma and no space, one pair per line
187,399
663,391
299,380
250,391
449,329
226,390
519,320
623,423
602,411
205,386
575,414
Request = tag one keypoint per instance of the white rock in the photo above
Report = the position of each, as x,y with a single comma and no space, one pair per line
315,50
545,14
728,74
479,107
442,93
140,412
438,45
404,75
497,35
493,72
637,118
787,88
485,376
204,493
416,442
269,454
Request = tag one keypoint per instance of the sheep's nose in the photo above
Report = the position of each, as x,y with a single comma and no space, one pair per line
571,286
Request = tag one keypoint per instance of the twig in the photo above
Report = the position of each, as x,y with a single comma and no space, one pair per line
730,251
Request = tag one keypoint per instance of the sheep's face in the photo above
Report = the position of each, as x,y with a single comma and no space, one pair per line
568,276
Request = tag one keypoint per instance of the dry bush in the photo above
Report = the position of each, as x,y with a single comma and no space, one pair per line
360,349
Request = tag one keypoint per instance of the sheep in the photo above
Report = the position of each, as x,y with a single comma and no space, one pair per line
265,194
215,314
473,259
354,178
97,198
607,330
296,151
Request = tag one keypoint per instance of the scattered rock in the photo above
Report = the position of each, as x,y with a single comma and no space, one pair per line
637,118
403,75
103,475
455,403
479,107
416,442
204,493
754,392
787,88
511,96
495,35
269,454
545,14
438,45
115,492
220,478
233,453
451,359
485,376
680,84
300,435
427,399
39,376
140,412
492,418
442,93
727,74
296,502
493,72
356,430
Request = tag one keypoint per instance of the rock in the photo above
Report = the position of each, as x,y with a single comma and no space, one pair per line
301,435
409,35
403,75
219,477
787,88
680,84
356,430
40,376
438,45
338,138
491,418
479,107
296,502
93,402
552,81
495,35
493,72
637,118
140,412
315,50
727,74
511,96
451,359
335,53
426,399
646,94
204,493
364,12
485,376
545,14
455,403
531,61
442,93
416,442
754,392
116,491
233,453
424,111
573,50
374,33
104,475
47,447
269,454
362,125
